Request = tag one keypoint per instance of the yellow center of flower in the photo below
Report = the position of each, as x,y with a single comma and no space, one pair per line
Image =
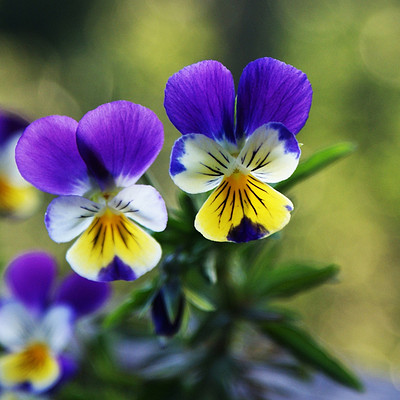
242,207
35,364
33,357
16,199
110,235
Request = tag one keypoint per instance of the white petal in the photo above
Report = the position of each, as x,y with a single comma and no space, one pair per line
56,328
198,164
68,216
8,166
271,153
142,203
16,326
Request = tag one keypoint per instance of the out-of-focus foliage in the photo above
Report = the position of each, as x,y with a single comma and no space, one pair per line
69,59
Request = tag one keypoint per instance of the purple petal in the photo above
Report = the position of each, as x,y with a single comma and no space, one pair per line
30,277
118,142
69,368
47,156
272,91
200,98
10,124
82,295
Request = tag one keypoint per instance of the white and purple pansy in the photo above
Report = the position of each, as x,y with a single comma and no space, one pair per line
93,166
37,322
17,197
237,158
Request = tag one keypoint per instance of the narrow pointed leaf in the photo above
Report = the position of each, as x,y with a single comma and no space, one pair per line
198,300
140,300
291,280
306,349
316,163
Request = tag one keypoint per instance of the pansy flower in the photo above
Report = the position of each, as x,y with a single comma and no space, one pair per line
238,151
37,322
94,166
17,197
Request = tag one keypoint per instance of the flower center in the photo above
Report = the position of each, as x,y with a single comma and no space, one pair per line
34,357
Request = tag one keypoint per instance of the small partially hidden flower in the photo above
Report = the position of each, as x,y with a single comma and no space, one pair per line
93,165
37,323
17,197
237,158
164,324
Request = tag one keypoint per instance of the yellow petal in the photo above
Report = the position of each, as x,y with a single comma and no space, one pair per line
242,209
34,365
19,201
113,247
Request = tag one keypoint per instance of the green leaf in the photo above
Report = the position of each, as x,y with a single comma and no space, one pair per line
140,300
306,349
198,300
316,163
290,280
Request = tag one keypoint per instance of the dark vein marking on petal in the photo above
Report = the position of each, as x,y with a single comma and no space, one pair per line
88,209
241,201
253,155
262,163
223,155
249,201
258,187
121,235
221,189
104,238
125,206
94,225
217,160
232,205
217,172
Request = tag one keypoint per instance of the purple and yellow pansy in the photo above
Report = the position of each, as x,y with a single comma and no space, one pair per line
37,322
237,149
17,197
93,166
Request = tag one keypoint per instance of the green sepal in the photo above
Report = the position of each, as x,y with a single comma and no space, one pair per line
306,349
316,163
172,292
293,279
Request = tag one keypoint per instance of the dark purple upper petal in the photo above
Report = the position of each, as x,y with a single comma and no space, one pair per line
30,277
200,98
47,156
82,295
272,91
10,124
118,142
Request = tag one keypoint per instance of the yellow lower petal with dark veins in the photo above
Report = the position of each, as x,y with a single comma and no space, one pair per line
34,365
112,248
19,201
242,209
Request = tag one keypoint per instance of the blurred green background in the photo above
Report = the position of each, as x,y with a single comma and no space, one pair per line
69,57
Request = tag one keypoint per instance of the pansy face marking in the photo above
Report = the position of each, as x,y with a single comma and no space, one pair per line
237,158
94,166
37,323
